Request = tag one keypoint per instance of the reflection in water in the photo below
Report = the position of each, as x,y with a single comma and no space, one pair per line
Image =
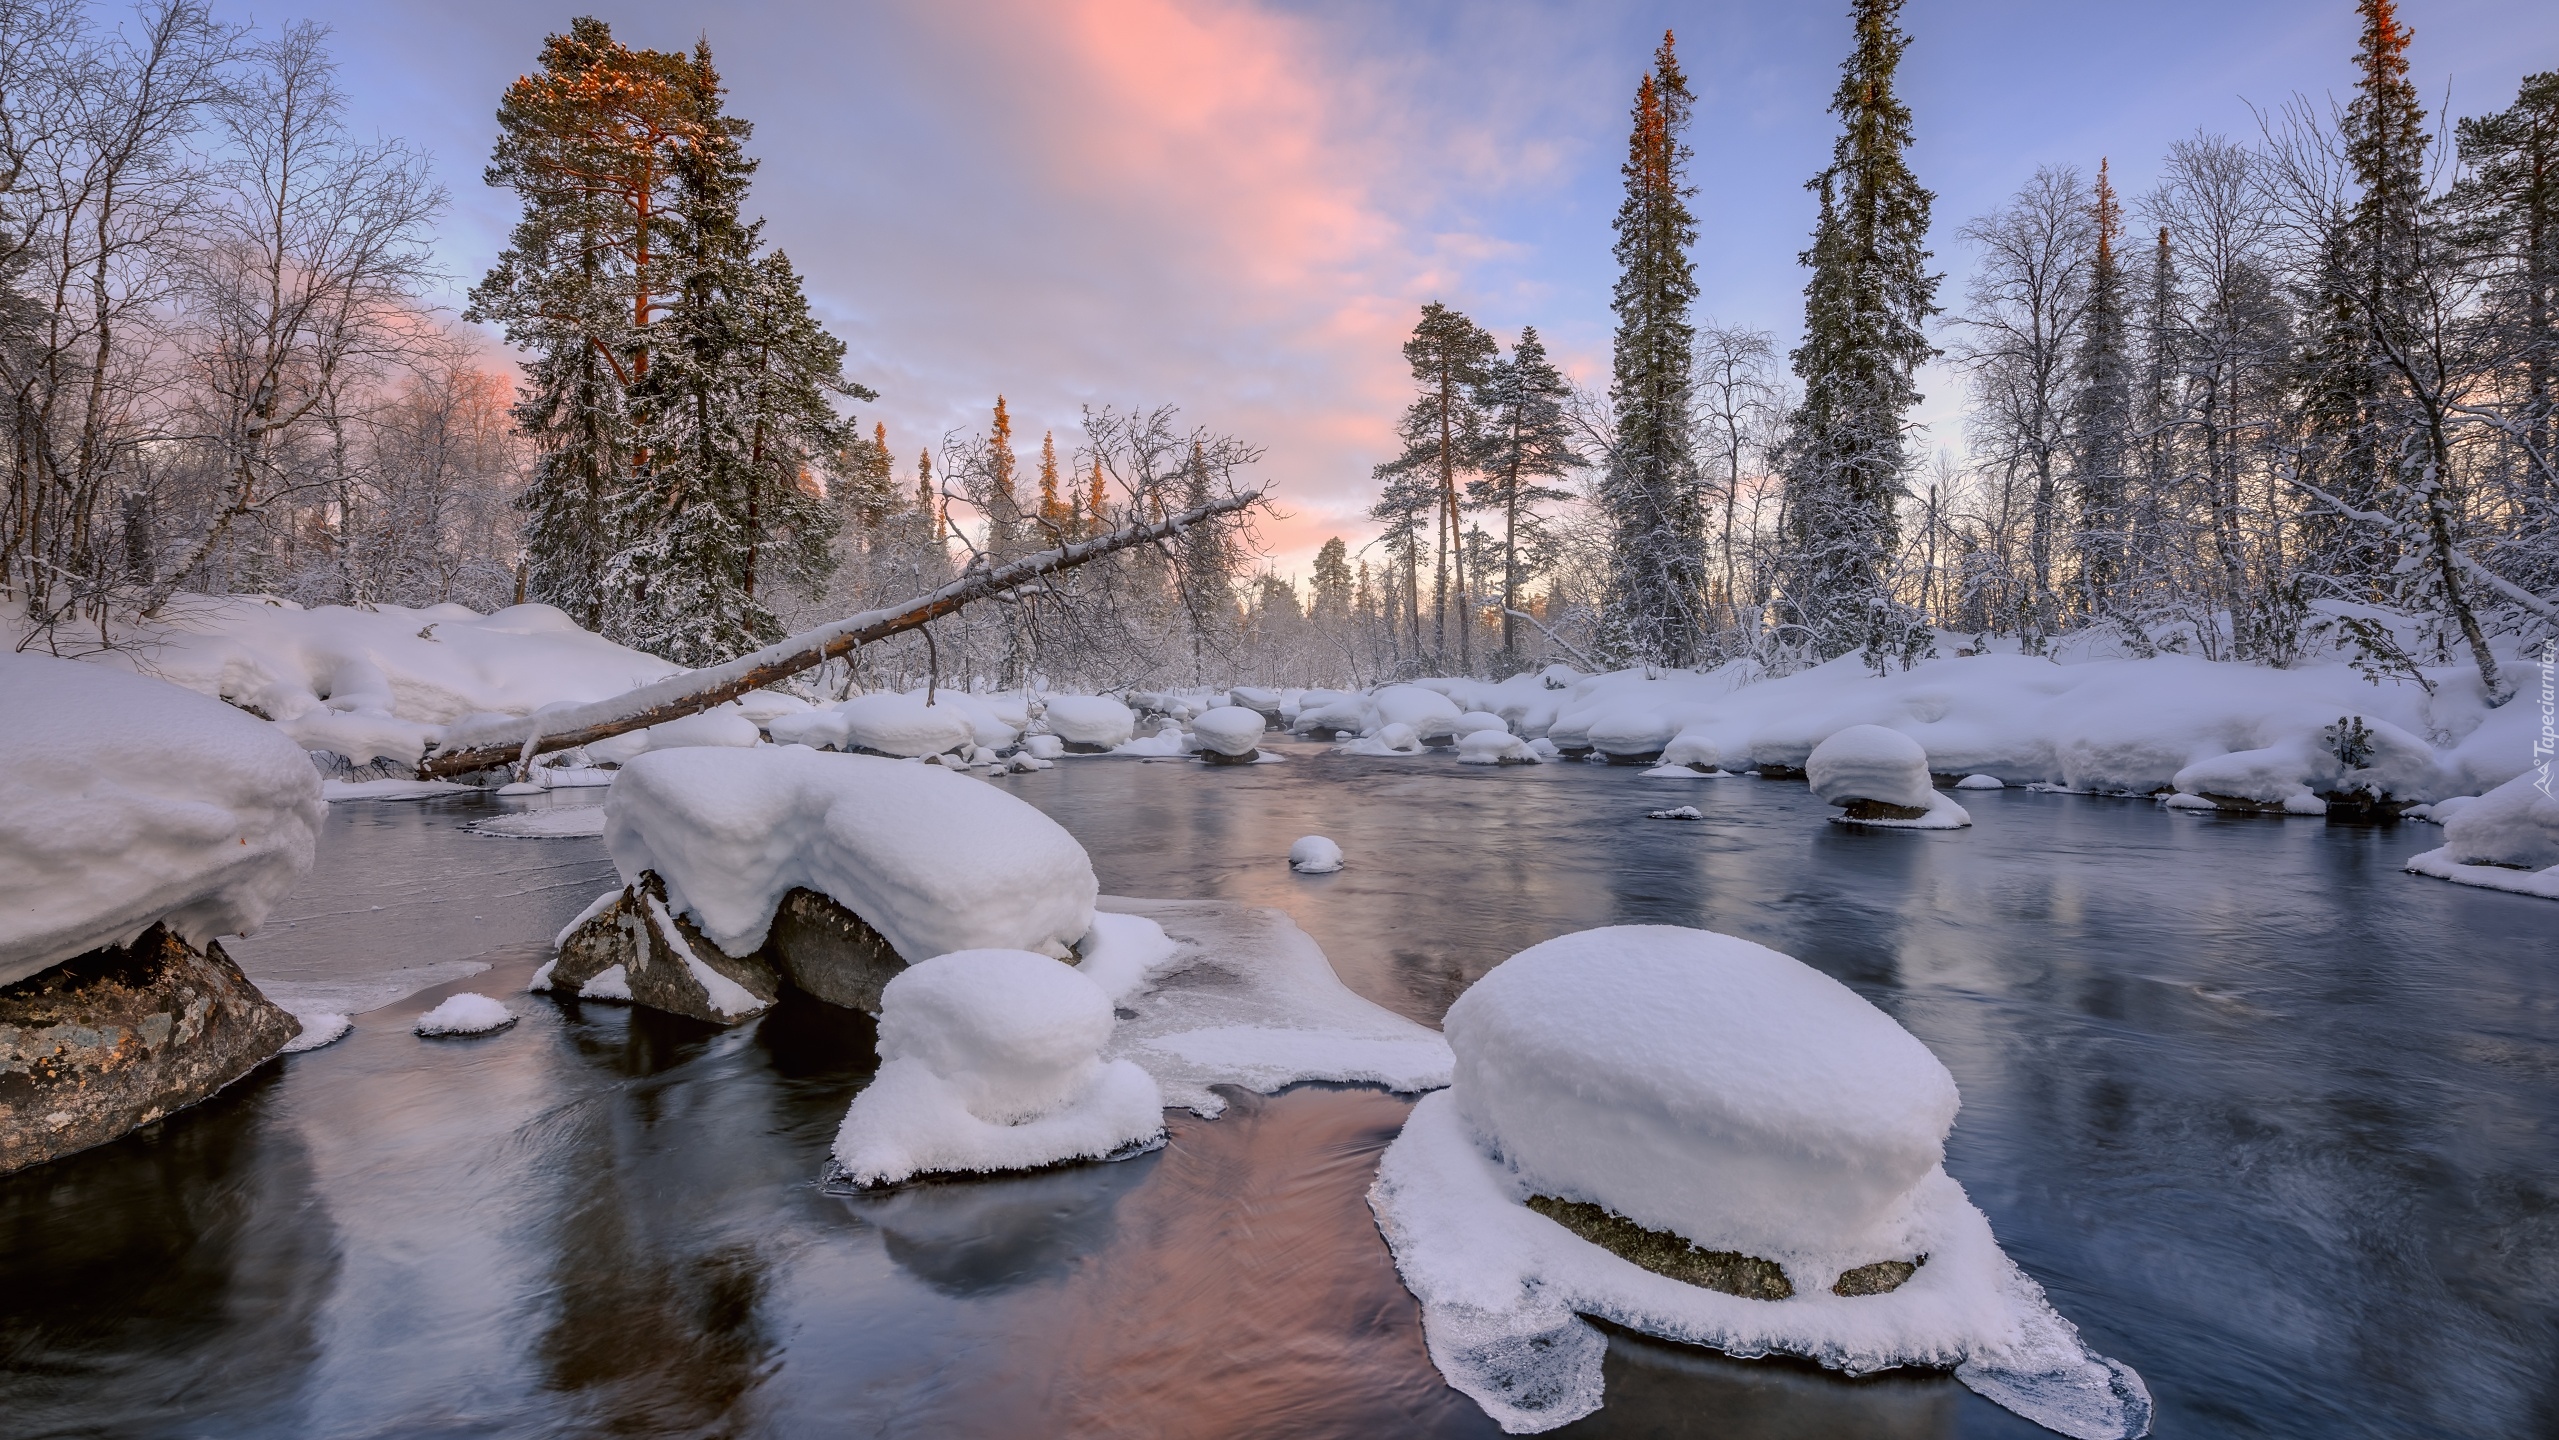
2272,1121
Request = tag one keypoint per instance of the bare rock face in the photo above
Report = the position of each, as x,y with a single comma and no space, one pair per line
105,1043
633,933
1881,810
830,952
1734,1273
1214,757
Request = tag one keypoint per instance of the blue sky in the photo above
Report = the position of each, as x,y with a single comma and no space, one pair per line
1238,207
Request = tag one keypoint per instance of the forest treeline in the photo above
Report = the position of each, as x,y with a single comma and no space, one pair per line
2298,393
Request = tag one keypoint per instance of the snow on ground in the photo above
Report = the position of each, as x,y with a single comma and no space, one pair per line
380,683
126,800
1229,730
558,823
465,1014
1249,1000
1886,767
2507,839
936,861
1701,1085
992,1060
2137,726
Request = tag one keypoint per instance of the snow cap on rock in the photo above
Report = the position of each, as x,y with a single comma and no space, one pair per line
1090,720
1705,1085
1870,762
1229,730
1314,855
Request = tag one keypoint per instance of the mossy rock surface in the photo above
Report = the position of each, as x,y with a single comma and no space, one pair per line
1729,1271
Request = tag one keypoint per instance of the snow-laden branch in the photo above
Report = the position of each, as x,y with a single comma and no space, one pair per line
516,742
2461,557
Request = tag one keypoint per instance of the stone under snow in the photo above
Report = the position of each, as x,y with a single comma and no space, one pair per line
883,723
127,801
992,1060
934,860
1754,1115
1229,730
1091,721
1883,767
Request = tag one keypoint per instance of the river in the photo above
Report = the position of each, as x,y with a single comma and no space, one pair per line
2275,1123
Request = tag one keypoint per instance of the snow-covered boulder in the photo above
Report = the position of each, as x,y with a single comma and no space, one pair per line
766,706
127,801
935,861
1314,855
882,723
1229,733
1326,715
1494,747
1981,782
1089,724
1398,739
1631,734
1476,722
1430,714
991,1060
1706,1140
1880,776
465,1014
1694,749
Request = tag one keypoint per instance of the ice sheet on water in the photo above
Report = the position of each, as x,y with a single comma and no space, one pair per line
557,823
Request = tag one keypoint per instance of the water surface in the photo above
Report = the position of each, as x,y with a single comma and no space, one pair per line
2273,1122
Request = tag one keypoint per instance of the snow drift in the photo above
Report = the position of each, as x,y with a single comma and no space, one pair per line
126,800
1762,1122
2507,839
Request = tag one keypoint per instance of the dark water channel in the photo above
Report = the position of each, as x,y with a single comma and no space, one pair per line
2273,1122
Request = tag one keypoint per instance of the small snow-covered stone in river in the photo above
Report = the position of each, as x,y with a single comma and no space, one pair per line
1314,855
1981,782
466,1014
1229,730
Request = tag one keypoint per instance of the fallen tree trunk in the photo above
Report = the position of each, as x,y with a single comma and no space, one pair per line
511,742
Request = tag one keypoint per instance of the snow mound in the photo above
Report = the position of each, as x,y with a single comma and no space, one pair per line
2516,824
2439,864
1043,747
1167,741
126,800
1882,767
561,823
992,1060
382,683
1123,953
1494,747
883,723
1396,739
1314,855
1428,712
1249,1000
1090,720
1229,730
934,860
719,725
1477,722
1694,749
465,1014
1981,782
1634,730
1704,1086
1682,812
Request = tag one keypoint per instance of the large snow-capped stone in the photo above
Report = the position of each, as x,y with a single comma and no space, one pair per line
1429,712
1229,730
127,801
1701,1084
1642,1119
1631,731
992,1060
2516,824
884,723
1092,722
1870,762
934,860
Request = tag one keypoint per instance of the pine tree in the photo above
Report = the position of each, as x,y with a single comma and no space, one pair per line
1865,309
1528,438
1449,354
1097,500
1657,523
2104,420
2505,213
926,502
588,143
1054,512
1002,503
1334,587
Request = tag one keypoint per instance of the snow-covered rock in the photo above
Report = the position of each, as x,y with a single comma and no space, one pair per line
1167,741
720,725
1427,712
466,1014
1325,715
1981,782
127,801
1494,747
882,723
1096,722
1881,777
991,1060
1397,739
766,706
1043,746
1694,749
1229,730
1314,855
1632,732
1728,1099
1476,722
935,861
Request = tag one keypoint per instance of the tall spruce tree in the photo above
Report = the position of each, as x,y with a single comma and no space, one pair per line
2505,215
1655,606
2104,422
1440,430
1527,440
1865,311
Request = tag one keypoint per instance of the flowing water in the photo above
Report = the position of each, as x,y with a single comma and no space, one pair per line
2276,1124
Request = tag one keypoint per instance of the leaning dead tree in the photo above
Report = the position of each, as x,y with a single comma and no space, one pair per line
516,742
